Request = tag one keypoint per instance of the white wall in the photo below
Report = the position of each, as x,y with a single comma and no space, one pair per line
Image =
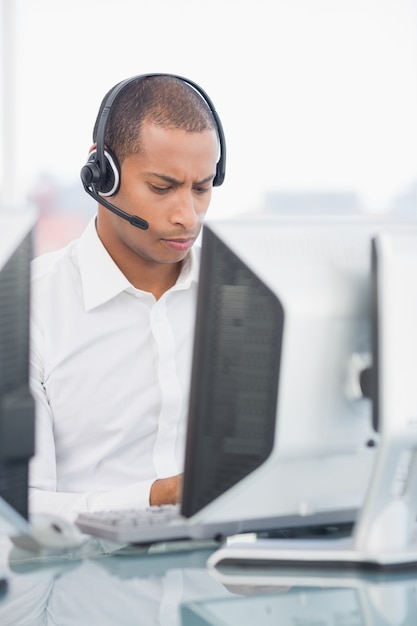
313,94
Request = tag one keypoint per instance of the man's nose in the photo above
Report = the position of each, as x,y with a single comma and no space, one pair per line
185,212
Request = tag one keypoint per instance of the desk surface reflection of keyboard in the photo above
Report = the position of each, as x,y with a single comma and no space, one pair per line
156,523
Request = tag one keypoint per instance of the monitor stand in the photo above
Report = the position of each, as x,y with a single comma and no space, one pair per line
384,535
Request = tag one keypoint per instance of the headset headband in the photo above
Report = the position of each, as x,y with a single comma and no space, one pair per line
102,123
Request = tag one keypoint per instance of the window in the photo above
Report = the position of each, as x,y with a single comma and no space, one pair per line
317,99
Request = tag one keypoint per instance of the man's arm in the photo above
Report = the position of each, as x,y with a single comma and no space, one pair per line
68,505
43,494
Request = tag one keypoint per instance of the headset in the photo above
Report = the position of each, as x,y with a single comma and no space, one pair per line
101,174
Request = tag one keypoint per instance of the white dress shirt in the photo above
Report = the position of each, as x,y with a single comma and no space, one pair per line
110,370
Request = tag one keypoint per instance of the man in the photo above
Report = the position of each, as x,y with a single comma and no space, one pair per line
113,312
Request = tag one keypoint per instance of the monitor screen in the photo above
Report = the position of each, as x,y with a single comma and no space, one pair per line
279,422
16,404
384,531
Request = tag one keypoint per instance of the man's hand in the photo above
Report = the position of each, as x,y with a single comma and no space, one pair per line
166,490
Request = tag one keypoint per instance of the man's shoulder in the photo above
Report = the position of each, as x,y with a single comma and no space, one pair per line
53,263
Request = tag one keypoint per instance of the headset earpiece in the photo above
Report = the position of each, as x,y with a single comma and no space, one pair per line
111,184
92,174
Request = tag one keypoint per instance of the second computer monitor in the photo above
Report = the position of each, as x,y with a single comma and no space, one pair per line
279,419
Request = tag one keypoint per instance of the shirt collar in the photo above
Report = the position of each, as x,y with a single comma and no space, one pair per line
102,280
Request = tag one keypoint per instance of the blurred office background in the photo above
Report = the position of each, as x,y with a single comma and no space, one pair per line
318,99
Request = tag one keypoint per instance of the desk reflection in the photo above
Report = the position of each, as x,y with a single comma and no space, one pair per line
332,597
131,587
172,587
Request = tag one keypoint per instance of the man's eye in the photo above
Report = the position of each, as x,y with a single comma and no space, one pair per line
202,189
157,189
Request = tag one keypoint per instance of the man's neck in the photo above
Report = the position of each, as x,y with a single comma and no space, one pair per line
154,279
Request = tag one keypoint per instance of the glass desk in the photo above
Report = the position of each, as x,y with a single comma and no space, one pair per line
104,585
170,585
276,596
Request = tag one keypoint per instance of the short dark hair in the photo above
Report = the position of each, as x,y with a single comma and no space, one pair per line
166,101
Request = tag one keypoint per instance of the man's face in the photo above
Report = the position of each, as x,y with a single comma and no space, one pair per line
169,185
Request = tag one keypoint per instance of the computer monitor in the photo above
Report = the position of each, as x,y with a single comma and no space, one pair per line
386,528
346,410
278,417
16,403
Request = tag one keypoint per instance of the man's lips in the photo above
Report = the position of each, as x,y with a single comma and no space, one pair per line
181,244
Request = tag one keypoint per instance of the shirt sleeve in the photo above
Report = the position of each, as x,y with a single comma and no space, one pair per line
68,505
43,496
